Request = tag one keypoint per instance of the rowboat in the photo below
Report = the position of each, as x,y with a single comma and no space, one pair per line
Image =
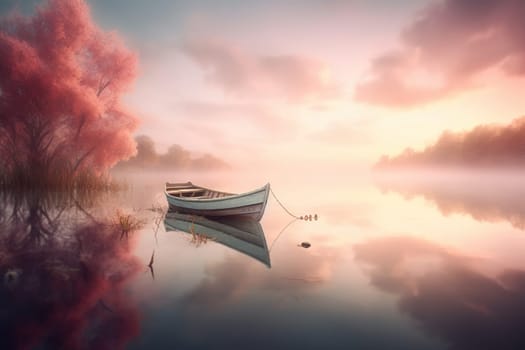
192,199
244,235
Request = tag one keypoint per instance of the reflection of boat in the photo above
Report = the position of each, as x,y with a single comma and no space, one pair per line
191,199
242,234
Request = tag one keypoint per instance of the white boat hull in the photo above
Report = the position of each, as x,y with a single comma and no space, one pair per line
250,204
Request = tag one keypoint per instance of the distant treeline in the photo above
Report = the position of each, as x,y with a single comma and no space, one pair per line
176,157
484,146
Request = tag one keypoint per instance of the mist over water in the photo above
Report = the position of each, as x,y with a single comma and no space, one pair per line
415,262
485,196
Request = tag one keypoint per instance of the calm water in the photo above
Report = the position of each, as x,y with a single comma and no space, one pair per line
393,264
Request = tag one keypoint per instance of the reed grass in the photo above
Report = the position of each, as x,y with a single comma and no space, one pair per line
58,178
127,223
198,239
159,211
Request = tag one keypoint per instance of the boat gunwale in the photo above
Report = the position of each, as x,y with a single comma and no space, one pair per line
229,196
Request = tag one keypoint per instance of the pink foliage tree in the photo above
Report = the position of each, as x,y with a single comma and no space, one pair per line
61,83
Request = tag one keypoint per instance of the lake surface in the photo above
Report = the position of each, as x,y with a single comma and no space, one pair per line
394,263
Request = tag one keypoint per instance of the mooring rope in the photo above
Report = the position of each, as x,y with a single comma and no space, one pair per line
280,233
307,217
282,206
295,218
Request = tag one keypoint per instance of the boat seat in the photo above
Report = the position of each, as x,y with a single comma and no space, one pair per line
179,183
178,188
187,190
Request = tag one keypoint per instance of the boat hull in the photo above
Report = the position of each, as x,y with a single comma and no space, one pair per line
250,204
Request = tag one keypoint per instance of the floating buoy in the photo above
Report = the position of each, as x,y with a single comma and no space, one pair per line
308,217
305,245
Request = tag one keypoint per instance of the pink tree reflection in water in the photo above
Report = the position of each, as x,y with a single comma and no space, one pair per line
64,284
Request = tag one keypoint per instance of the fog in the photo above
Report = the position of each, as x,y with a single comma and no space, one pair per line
489,196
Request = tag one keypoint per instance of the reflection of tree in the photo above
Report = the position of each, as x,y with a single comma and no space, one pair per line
63,278
447,295
491,201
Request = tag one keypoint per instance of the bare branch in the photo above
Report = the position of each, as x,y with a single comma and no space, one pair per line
81,159
102,87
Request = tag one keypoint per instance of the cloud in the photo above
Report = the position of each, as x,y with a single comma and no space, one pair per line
290,77
343,133
258,116
484,146
176,157
444,49
225,125
446,294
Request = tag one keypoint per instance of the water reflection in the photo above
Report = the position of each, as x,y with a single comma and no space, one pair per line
68,279
63,275
232,281
243,235
487,199
449,295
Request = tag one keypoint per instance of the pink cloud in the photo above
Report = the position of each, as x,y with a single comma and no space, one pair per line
260,116
225,125
292,77
452,42
343,133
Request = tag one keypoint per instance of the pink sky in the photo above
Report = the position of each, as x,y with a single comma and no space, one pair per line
326,83
342,84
